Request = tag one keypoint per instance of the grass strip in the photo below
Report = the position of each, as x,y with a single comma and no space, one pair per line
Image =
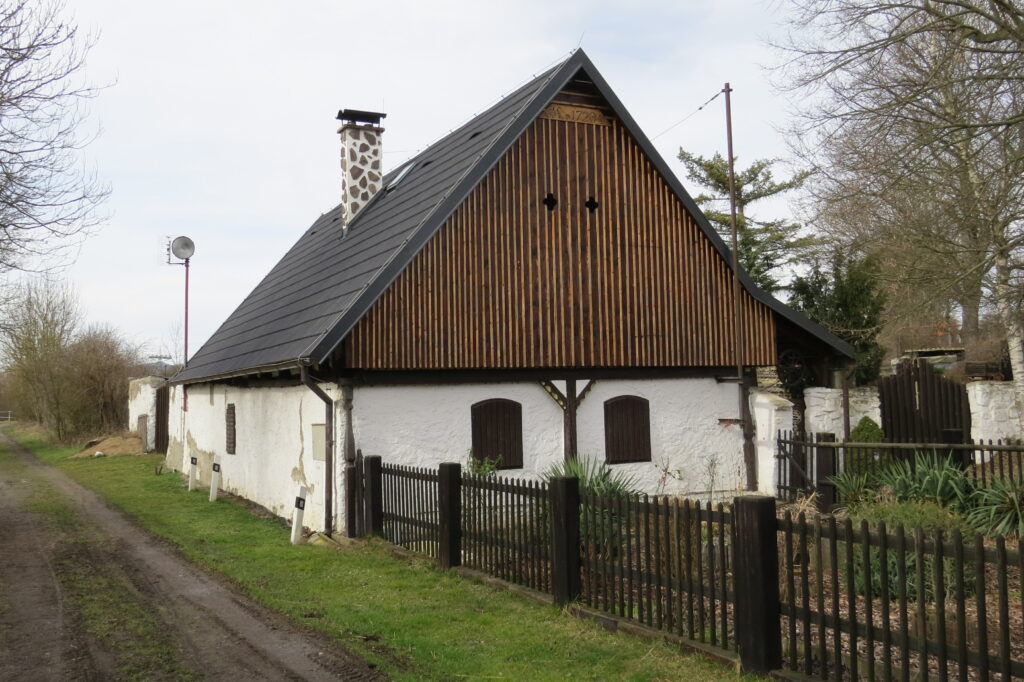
412,620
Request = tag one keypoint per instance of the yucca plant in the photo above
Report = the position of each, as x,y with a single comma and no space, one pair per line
999,508
599,526
931,478
596,477
853,487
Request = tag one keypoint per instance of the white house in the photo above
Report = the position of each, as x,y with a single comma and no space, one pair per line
537,285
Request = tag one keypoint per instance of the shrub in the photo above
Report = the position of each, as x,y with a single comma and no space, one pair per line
928,516
930,478
999,508
867,460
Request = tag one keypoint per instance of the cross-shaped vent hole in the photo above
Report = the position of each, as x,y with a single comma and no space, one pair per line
550,201
591,204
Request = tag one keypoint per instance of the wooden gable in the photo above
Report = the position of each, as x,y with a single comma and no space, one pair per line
571,252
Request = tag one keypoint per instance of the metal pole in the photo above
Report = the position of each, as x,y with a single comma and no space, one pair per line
735,245
186,312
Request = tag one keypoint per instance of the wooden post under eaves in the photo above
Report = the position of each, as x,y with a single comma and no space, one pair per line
570,449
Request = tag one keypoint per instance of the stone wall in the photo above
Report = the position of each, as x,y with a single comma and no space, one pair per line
824,412
994,415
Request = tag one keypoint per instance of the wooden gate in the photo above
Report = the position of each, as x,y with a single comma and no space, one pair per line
163,406
918,405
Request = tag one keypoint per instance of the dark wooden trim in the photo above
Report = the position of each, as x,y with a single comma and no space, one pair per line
428,377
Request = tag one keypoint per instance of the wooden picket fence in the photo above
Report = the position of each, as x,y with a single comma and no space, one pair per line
811,595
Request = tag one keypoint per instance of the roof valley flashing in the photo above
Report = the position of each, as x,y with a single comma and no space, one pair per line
361,175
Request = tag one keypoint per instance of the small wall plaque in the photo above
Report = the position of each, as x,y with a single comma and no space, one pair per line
216,467
195,460
300,502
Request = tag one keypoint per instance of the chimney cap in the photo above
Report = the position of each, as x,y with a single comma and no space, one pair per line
358,116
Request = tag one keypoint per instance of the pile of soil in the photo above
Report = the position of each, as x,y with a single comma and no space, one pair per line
124,444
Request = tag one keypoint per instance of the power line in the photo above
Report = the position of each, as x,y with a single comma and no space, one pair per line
688,116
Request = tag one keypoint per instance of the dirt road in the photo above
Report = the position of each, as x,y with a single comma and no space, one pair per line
87,595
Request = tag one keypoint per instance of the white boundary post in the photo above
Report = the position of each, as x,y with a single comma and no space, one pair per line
214,479
300,507
192,473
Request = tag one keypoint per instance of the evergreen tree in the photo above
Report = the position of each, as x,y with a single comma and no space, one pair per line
846,300
764,246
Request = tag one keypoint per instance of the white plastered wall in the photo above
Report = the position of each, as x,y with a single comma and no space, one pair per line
426,425
696,440
142,401
824,413
993,410
771,413
273,444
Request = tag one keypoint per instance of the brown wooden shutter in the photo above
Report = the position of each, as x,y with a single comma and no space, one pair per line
229,420
498,432
627,429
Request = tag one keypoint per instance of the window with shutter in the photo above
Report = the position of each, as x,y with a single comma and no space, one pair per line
627,429
229,421
498,432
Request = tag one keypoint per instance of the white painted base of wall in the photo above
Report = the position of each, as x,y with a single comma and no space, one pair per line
273,452
696,444
692,451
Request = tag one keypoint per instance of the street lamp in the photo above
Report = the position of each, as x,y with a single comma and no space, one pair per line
183,248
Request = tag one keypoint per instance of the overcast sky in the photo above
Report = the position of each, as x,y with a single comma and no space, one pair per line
218,122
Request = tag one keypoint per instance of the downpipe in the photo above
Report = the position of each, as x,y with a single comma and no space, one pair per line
311,384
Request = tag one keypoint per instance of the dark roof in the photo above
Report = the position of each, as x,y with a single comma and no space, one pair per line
329,279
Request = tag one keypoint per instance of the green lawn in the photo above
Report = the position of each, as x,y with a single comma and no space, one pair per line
414,621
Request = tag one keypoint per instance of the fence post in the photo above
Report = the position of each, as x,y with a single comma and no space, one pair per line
825,466
449,514
756,582
565,539
373,499
956,437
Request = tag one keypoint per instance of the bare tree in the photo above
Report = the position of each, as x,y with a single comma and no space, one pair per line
911,118
38,325
46,196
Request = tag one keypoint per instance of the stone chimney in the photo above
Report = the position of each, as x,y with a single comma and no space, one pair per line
360,160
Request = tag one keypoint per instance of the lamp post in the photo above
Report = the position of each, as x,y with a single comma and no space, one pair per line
183,248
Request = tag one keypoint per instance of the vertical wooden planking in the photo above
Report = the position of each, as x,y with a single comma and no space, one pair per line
851,596
921,624
869,627
1004,609
837,629
883,578
790,603
712,591
938,565
657,576
699,577
645,563
960,597
723,597
819,584
805,596
982,614
688,526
